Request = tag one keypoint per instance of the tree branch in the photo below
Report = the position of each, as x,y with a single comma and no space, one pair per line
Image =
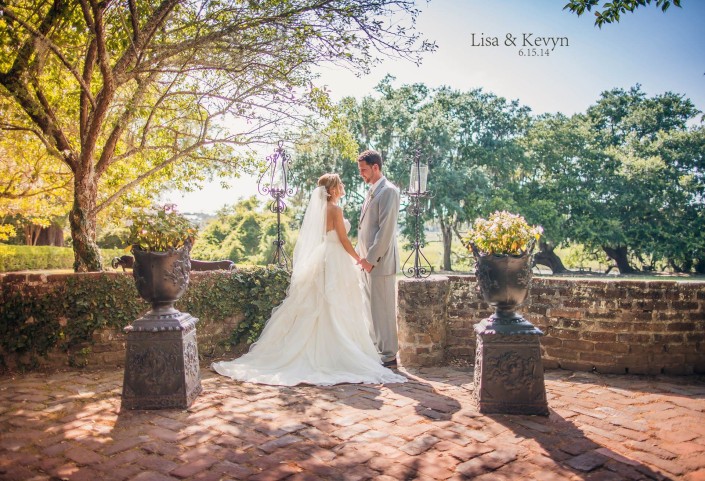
107,155
134,20
27,193
54,48
142,39
13,81
38,133
138,180
88,66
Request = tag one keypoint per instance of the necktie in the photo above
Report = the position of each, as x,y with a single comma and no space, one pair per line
368,198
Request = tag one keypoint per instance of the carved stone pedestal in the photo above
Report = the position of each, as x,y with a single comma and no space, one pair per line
508,368
161,362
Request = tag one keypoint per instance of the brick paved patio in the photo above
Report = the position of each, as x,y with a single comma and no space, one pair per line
68,425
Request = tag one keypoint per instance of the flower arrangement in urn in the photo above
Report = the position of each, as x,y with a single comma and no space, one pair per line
503,233
508,375
160,228
502,246
161,240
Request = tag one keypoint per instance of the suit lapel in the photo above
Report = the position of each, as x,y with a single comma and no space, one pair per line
366,207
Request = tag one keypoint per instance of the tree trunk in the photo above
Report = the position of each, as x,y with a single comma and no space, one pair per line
447,231
82,220
680,268
676,268
619,255
55,235
700,266
44,236
547,257
31,234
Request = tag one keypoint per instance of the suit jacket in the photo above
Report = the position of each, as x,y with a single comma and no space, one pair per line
377,233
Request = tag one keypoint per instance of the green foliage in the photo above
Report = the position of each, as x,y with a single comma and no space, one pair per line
626,177
21,258
14,229
65,312
469,140
90,303
160,228
577,256
503,233
463,260
123,102
113,237
59,314
263,290
613,9
6,232
243,233
253,291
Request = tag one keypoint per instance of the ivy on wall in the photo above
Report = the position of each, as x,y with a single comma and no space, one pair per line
36,318
252,291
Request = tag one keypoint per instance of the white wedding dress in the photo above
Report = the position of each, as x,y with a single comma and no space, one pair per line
320,334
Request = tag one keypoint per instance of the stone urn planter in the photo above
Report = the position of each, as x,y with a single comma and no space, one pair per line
162,278
508,369
504,282
161,360
508,373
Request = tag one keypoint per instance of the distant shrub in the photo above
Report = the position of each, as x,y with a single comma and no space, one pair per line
22,258
575,256
244,233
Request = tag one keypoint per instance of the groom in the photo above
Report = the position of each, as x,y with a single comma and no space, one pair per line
377,246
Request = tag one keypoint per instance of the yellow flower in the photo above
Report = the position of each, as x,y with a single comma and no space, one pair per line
503,233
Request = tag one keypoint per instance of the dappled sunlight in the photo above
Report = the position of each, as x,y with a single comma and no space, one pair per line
70,424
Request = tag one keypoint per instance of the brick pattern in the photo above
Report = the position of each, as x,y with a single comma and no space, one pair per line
423,331
608,326
107,346
69,425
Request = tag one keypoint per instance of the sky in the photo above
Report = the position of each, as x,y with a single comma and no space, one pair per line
660,51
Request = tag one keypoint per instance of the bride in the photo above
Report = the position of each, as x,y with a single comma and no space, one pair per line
320,334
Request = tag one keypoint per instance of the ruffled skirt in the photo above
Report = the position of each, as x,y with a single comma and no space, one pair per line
320,334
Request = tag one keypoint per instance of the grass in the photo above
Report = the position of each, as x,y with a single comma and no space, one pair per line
60,259
15,258
461,260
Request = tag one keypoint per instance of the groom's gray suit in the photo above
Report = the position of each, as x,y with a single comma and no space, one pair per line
377,242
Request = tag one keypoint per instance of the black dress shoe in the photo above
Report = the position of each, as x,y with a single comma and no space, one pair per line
390,364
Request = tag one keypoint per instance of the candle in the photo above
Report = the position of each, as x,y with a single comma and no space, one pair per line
417,183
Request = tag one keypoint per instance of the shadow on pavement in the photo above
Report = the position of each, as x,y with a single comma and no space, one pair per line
430,402
568,446
685,387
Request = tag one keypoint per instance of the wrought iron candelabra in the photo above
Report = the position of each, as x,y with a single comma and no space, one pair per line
274,181
417,195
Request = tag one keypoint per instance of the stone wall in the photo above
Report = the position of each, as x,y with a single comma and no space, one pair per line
610,325
106,345
107,348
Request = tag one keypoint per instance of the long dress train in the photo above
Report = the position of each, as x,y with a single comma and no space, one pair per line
320,334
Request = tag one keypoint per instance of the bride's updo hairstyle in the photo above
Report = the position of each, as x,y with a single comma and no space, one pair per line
330,182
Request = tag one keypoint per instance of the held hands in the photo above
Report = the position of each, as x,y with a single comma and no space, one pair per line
365,265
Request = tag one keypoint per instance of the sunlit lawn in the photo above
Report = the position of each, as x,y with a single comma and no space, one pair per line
461,262
433,251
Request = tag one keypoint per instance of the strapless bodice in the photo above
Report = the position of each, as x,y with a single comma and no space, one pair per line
331,235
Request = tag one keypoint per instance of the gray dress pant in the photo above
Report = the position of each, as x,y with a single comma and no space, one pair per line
382,293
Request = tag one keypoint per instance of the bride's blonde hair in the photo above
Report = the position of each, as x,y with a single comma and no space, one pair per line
330,182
